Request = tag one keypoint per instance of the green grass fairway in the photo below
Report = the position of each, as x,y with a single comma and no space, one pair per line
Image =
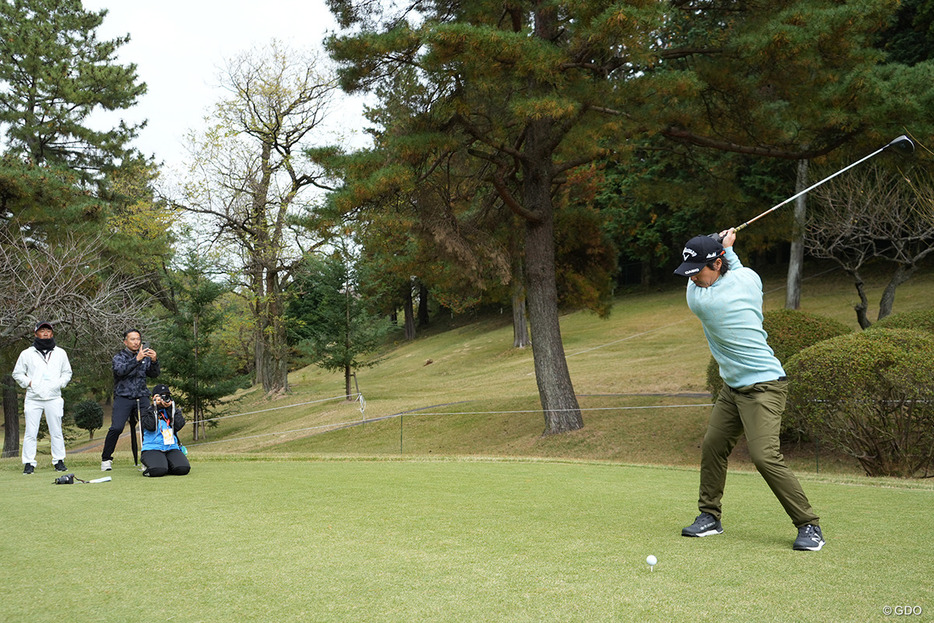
461,510
449,540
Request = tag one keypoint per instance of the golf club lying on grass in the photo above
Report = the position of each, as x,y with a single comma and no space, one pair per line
901,144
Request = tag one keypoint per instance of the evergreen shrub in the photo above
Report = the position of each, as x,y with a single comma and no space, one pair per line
920,320
89,416
869,394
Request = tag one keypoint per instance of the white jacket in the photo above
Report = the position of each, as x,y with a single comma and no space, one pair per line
43,378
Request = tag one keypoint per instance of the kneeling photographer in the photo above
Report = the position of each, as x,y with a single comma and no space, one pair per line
162,454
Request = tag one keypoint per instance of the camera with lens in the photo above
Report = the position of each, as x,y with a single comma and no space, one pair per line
67,479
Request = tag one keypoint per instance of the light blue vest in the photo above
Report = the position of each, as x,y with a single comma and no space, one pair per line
152,439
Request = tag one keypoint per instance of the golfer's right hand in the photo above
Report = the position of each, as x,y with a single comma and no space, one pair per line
728,237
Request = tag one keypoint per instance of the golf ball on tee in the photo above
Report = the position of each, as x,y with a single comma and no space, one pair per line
651,560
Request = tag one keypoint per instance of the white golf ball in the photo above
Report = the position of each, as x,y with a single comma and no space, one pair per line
651,560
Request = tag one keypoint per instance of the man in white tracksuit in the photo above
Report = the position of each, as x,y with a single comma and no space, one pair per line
43,370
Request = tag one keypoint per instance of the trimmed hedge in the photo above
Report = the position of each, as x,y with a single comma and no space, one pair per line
789,332
871,395
920,320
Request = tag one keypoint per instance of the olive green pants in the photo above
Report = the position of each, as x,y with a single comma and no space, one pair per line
757,411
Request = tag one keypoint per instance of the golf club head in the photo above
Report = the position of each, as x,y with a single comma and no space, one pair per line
902,145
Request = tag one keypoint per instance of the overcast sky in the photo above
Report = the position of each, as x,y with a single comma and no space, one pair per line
179,47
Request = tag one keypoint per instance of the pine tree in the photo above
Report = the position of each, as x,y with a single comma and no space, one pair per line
331,322
59,254
529,90
199,373
54,73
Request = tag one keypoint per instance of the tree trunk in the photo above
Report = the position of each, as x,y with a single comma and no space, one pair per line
272,362
275,362
562,412
272,352
195,418
862,316
902,274
520,325
257,308
422,305
259,354
408,312
646,271
272,370
10,417
796,261
347,371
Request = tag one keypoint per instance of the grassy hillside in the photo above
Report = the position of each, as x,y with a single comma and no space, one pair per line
465,390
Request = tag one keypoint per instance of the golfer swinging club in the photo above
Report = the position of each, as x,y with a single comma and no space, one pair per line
727,298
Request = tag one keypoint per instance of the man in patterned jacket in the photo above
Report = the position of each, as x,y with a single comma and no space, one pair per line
131,367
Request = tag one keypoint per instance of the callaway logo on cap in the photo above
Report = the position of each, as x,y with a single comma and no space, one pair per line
698,252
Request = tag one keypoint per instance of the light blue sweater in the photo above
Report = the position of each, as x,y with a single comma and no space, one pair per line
731,312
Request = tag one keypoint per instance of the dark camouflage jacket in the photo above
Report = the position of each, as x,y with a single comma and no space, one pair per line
130,374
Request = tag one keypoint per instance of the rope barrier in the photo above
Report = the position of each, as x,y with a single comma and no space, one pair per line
546,410
299,404
351,423
283,432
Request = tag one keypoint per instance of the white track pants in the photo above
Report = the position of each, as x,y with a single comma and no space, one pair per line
54,410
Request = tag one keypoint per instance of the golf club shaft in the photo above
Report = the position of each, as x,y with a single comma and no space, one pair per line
826,179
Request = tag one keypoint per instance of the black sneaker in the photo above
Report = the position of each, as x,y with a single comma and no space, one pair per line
809,539
705,525
28,468
60,466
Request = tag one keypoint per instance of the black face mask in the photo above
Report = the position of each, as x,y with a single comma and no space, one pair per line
44,346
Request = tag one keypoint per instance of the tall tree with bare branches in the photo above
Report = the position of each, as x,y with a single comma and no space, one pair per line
63,283
250,180
877,214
